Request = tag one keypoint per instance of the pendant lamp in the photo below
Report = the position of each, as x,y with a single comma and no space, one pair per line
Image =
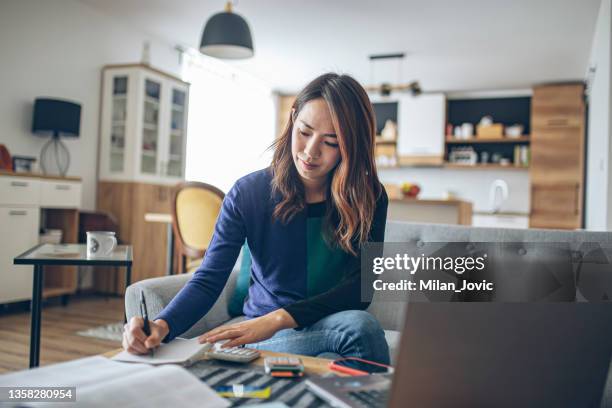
227,36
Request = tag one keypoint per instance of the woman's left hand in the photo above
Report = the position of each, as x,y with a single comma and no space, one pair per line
250,331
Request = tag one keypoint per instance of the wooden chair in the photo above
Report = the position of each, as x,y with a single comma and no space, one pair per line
195,207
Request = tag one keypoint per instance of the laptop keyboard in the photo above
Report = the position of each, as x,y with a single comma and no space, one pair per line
372,398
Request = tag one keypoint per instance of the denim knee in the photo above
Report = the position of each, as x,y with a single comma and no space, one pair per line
358,322
365,332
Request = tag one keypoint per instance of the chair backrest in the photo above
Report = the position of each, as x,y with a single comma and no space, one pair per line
195,207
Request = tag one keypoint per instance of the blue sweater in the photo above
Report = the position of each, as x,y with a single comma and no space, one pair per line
278,269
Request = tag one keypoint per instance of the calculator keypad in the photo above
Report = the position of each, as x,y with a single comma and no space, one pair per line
235,354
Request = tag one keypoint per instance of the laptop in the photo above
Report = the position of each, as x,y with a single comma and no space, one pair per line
489,355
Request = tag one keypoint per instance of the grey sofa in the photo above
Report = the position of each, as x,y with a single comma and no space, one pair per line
159,291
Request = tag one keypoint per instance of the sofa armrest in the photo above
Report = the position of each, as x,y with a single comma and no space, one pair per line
159,292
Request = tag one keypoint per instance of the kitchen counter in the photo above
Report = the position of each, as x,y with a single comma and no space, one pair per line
451,211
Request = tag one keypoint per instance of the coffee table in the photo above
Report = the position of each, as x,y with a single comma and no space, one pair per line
292,392
63,254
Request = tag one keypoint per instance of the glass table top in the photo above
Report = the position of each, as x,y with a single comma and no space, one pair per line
73,254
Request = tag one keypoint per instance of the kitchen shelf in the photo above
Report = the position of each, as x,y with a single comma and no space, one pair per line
522,139
481,166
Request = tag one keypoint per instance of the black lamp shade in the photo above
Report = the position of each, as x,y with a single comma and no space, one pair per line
55,117
227,36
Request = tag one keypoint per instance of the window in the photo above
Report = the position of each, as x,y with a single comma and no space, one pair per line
231,122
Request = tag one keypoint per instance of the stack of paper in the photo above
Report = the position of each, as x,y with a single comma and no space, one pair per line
101,382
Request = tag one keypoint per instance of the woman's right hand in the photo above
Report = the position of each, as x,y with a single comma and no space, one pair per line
135,341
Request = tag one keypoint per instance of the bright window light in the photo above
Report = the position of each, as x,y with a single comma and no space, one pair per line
231,122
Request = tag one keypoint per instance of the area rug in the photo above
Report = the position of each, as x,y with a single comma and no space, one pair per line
113,331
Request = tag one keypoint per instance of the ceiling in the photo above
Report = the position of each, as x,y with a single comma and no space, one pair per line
450,45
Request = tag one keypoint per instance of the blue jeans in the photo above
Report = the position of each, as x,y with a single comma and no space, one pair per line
352,333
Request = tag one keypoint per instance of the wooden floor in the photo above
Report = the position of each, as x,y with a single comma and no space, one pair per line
59,341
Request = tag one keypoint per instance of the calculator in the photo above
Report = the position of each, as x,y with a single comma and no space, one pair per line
233,354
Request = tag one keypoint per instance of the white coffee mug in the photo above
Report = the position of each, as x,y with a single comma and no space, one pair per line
100,243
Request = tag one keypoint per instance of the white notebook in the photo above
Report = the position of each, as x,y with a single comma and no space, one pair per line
179,351
101,382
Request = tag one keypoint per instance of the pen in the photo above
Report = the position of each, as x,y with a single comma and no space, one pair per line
145,317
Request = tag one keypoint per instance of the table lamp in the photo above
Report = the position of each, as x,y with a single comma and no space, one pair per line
55,118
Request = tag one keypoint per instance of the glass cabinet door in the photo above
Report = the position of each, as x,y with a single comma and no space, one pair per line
150,127
118,125
177,134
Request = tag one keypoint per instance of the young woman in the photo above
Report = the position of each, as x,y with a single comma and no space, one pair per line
304,219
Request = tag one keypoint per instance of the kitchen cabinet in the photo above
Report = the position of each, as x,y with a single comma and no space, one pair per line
421,123
557,158
500,220
452,211
420,127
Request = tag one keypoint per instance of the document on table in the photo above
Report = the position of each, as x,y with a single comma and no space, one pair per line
178,351
101,382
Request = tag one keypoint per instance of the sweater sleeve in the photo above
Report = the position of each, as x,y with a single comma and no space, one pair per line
197,297
347,294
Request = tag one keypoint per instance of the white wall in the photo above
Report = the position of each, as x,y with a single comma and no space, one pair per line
57,48
599,148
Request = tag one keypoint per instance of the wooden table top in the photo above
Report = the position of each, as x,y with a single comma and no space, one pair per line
39,176
312,365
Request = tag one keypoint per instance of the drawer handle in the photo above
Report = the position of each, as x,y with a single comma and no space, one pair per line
15,212
62,187
19,184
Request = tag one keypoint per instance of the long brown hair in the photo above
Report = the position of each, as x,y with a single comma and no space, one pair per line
353,186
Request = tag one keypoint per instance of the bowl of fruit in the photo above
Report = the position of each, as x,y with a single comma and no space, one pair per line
410,190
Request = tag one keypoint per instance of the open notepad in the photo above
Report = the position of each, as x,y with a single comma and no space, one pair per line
178,351
101,382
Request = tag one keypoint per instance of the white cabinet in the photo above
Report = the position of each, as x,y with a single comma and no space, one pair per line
420,126
20,233
143,125
500,221
60,194
421,121
28,203
19,191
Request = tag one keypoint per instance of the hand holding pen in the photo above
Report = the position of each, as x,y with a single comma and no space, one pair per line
135,341
140,335
145,316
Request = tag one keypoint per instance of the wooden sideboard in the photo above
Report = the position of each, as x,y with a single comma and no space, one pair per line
29,202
